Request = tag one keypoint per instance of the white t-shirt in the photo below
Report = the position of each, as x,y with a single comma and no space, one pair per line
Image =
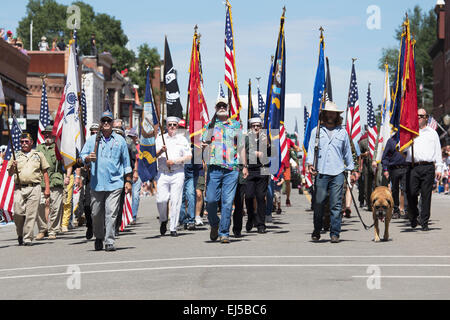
178,147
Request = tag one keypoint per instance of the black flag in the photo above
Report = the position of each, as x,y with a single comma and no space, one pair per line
174,108
251,113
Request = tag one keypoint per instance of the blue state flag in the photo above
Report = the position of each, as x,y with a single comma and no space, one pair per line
319,87
147,165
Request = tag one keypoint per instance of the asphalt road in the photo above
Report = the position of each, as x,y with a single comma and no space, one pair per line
282,264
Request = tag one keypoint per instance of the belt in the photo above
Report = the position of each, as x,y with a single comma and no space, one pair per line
422,163
28,185
399,166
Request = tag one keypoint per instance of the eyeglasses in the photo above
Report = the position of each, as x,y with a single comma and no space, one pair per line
172,125
423,116
106,120
25,141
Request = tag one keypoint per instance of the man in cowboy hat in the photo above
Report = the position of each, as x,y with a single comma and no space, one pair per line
172,153
110,172
51,225
335,156
43,44
31,165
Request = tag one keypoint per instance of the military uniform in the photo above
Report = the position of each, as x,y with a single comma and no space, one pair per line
56,177
27,196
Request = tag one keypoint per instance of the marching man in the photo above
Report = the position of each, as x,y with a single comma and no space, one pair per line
172,152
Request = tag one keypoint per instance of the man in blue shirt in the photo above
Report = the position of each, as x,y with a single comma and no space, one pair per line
110,168
335,156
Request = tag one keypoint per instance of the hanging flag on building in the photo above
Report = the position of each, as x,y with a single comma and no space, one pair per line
275,119
6,181
409,120
385,128
198,111
70,142
44,114
2,99
353,123
371,124
230,65
250,112
173,102
319,87
147,166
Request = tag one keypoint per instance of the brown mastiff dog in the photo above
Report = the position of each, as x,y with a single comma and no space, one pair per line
382,205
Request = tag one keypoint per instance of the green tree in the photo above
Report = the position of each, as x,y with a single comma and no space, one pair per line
146,57
423,29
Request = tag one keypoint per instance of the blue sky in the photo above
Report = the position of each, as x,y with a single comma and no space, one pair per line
256,26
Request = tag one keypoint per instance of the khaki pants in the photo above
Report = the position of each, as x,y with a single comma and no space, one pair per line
52,226
26,202
68,191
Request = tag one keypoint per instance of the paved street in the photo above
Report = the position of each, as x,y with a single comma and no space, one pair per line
282,264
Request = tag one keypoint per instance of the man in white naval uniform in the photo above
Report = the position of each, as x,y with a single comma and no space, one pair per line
171,174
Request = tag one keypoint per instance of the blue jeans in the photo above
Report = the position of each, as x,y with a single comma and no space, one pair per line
136,190
333,186
221,184
269,197
190,183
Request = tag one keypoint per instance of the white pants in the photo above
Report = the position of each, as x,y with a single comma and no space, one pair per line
170,186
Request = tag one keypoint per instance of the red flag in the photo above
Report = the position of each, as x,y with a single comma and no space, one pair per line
198,111
409,122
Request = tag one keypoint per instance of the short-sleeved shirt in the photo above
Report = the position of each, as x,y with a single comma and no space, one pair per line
177,147
113,162
55,171
224,143
30,166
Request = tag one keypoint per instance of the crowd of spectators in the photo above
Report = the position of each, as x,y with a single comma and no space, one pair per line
57,45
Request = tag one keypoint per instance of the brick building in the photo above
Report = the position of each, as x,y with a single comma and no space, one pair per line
440,53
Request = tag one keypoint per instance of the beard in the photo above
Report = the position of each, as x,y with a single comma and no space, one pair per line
222,113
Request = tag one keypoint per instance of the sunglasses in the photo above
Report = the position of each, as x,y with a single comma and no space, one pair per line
106,120
423,116
256,126
221,106
25,141
172,125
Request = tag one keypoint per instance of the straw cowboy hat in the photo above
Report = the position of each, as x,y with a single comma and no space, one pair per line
332,107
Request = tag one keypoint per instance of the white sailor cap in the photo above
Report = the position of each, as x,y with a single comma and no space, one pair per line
255,119
173,119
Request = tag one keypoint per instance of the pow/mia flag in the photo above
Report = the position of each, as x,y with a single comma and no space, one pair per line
174,108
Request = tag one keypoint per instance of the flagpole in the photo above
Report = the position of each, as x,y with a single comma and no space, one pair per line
13,152
81,116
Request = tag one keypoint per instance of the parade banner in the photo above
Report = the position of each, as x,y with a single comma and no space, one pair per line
174,108
147,166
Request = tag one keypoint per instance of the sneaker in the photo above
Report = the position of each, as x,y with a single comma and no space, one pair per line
98,244
396,215
214,234
40,236
224,239
334,239
198,222
173,234
279,211
110,248
28,244
191,227
315,236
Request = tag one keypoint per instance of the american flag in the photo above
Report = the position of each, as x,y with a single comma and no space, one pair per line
353,125
261,104
372,125
230,66
221,93
57,126
432,123
7,182
44,115
127,215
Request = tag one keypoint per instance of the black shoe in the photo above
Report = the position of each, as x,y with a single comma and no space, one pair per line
413,223
214,234
28,244
278,211
425,228
334,239
89,233
249,226
237,233
361,204
396,215
163,228
185,226
20,239
315,236
261,230
173,234
98,244
110,247
191,227
326,228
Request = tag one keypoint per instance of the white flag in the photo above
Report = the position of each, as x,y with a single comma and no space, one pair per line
71,124
385,128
